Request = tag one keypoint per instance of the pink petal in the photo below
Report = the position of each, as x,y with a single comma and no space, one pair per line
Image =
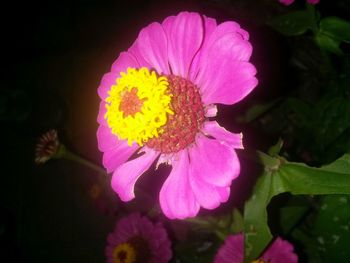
121,64
313,2
118,155
225,76
214,161
286,2
185,36
135,51
105,139
209,27
229,83
107,81
126,175
176,197
207,195
220,133
211,110
280,251
212,34
101,114
151,44
232,250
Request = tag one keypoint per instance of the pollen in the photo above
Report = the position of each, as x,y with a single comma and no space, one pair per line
182,127
138,105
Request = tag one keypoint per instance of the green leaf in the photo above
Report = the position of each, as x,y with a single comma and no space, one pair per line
296,178
237,222
328,43
290,216
302,110
294,23
336,28
331,228
274,150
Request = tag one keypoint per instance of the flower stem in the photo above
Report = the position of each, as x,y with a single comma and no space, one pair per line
76,158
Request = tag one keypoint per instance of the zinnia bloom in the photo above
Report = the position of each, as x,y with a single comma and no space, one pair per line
286,2
313,2
47,147
157,100
136,239
233,249
289,2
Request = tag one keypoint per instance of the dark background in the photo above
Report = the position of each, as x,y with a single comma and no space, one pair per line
54,55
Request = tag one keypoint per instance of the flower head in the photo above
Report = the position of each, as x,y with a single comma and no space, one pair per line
232,251
289,2
136,239
156,101
286,2
47,147
313,2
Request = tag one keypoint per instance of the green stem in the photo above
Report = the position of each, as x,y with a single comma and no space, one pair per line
76,158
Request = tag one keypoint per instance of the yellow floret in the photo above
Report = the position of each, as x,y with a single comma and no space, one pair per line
153,90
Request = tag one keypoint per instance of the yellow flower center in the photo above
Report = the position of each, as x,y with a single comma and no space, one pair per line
124,253
258,261
137,105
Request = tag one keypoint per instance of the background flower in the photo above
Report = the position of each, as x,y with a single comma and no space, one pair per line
46,147
286,2
232,251
136,239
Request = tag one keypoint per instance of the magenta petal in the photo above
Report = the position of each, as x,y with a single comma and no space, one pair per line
232,250
220,133
229,28
280,251
209,27
123,62
107,81
151,44
214,161
286,2
105,139
101,114
207,195
126,175
176,197
118,155
225,75
313,2
185,36
229,83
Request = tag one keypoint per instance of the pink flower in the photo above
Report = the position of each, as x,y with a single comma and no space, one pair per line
47,147
289,2
286,2
157,101
313,2
232,251
136,239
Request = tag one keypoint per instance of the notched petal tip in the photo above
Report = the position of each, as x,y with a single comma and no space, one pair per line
125,176
176,197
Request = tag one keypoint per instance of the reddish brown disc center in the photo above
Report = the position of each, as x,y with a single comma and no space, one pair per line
181,127
122,255
130,103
